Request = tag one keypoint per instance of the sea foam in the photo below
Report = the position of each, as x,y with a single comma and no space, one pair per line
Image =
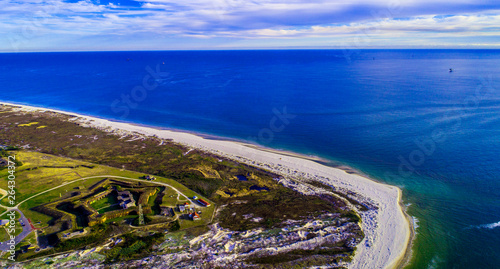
486,226
490,226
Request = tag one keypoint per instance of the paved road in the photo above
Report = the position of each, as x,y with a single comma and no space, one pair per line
26,231
17,206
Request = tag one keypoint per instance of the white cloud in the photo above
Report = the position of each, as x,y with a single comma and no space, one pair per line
246,19
460,24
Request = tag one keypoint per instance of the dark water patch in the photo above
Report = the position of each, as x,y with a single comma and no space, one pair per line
258,188
242,178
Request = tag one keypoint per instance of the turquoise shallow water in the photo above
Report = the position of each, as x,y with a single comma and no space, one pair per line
399,116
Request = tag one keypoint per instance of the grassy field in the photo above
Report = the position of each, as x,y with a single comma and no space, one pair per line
106,204
117,220
171,197
50,197
74,178
41,172
4,236
206,216
29,240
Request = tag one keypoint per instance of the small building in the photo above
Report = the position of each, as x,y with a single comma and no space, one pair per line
127,204
182,208
194,216
80,232
126,199
124,194
203,202
123,199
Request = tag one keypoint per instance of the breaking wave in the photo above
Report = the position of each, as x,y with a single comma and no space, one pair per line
488,226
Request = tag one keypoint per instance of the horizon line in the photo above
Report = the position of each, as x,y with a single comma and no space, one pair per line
250,49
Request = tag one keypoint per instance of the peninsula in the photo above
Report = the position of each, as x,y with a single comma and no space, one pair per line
168,197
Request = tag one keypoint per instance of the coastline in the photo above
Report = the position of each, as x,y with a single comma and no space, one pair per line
388,229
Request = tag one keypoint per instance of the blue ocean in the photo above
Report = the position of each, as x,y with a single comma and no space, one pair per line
427,121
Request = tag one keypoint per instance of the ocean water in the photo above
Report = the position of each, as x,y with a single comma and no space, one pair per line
399,116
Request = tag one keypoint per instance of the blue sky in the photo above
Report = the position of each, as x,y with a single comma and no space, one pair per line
73,25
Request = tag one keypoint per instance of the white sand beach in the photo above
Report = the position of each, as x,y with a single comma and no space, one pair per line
387,229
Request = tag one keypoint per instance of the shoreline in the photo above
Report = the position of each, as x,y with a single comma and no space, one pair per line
388,229
407,255
196,133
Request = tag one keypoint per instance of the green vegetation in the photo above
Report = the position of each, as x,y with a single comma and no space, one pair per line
106,204
41,172
133,247
354,202
4,154
30,240
291,204
303,258
41,220
65,160
171,197
77,187
78,242
5,236
142,155
72,173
